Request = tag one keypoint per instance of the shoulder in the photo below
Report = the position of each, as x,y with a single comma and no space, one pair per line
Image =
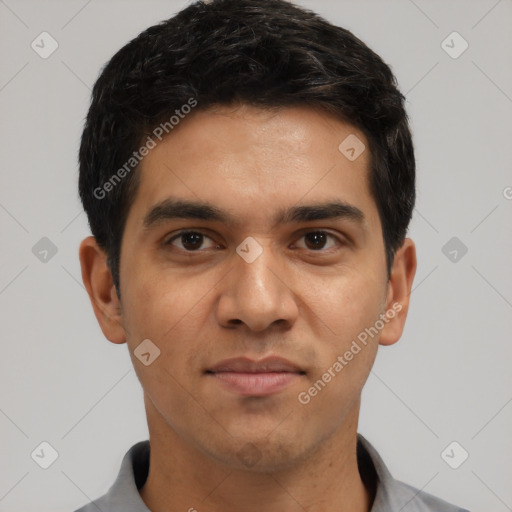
391,494
123,495
410,499
94,506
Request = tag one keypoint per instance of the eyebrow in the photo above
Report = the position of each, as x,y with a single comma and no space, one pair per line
170,208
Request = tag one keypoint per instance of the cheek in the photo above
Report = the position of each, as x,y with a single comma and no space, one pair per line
349,303
146,317
158,303
171,321
347,346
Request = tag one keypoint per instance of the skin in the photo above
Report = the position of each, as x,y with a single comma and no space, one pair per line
296,301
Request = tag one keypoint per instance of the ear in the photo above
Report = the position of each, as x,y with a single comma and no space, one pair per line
99,284
399,292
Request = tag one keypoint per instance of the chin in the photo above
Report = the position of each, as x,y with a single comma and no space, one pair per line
259,454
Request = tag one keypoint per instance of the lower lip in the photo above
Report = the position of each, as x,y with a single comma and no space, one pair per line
256,384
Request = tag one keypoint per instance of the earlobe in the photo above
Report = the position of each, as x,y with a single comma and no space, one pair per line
399,292
99,284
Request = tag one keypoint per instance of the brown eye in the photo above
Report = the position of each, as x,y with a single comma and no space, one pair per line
190,240
317,240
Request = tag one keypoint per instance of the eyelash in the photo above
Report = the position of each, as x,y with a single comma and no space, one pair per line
186,232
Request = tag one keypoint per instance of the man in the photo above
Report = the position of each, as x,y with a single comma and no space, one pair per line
248,174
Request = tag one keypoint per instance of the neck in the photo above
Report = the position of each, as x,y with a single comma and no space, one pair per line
183,478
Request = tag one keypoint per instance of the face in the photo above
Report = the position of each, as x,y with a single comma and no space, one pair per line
256,293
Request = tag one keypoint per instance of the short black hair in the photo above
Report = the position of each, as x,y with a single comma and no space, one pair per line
263,53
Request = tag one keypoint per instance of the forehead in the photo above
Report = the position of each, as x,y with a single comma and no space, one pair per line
254,161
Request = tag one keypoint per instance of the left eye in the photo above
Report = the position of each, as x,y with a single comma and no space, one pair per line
193,240
316,240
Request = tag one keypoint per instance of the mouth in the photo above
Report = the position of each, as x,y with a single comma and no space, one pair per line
247,377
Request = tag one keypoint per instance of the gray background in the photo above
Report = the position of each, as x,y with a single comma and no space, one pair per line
448,378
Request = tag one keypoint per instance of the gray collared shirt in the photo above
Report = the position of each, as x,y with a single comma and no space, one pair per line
391,495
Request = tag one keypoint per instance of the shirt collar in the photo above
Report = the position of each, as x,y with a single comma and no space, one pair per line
390,495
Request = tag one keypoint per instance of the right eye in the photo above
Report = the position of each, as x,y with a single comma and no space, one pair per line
190,241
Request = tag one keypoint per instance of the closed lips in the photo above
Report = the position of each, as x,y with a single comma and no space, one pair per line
245,365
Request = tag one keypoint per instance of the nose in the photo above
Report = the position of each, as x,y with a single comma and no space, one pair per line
258,294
